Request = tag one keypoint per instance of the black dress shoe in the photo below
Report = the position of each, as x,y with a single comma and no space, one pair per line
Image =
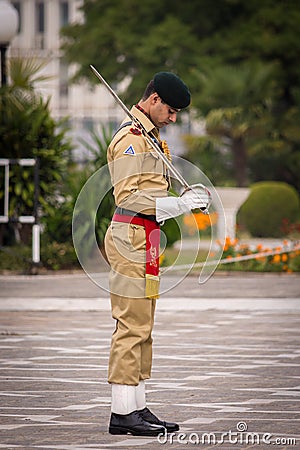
134,424
147,415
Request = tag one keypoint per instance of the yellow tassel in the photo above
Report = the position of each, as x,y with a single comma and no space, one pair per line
166,150
152,286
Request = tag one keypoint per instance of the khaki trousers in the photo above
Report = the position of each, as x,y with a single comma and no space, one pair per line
130,358
131,347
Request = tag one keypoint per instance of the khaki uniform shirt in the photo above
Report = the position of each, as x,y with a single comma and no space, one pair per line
138,174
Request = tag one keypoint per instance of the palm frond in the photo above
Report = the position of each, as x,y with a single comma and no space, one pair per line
25,73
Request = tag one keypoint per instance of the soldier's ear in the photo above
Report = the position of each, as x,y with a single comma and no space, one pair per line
154,98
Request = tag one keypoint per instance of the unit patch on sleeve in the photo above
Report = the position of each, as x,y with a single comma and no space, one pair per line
129,151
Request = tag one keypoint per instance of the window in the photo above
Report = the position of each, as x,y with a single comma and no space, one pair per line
63,13
88,124
40,17
63,85
63,79
39,39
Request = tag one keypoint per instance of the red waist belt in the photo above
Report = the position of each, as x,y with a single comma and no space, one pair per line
152,231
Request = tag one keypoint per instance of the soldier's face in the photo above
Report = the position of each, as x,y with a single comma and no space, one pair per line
162,114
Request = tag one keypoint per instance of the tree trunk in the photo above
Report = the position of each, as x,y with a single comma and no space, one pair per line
240,162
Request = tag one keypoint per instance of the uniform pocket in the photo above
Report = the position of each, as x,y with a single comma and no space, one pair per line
126,245
151,163
137,237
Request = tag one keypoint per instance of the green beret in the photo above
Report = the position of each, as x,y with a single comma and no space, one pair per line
172,90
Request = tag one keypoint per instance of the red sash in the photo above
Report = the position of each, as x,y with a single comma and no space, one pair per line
152,231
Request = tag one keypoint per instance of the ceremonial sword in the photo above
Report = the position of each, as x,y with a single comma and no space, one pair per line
151,139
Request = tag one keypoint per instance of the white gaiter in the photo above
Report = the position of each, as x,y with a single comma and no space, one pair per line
123,399
140,395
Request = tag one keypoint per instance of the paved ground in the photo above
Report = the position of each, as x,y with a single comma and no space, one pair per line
226,364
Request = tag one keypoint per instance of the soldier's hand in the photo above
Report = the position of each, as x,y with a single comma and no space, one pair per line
196,197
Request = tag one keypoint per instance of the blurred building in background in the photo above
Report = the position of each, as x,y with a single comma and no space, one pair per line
38,37
88,108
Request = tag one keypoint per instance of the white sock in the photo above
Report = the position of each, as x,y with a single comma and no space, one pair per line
140,395
123,399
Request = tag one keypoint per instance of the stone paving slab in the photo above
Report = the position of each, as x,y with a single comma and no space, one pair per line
165,304
220,285
214,371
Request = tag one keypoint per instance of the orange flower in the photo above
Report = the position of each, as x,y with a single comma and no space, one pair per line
276,259
200,220
284,257
227,241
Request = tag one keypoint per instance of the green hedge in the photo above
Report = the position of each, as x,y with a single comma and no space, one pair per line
269,204
54,256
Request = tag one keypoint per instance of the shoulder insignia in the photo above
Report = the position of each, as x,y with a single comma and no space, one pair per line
129,151
135,131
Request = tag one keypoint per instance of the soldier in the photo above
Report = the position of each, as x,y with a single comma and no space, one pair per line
141,182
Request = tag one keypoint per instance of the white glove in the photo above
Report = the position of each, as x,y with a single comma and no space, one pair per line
168,207
197,197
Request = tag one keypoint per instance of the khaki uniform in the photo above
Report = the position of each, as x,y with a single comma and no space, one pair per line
138,177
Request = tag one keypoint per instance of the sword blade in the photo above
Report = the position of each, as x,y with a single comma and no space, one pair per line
118,100
147,135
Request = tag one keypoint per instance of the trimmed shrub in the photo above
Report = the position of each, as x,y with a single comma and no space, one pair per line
269,204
